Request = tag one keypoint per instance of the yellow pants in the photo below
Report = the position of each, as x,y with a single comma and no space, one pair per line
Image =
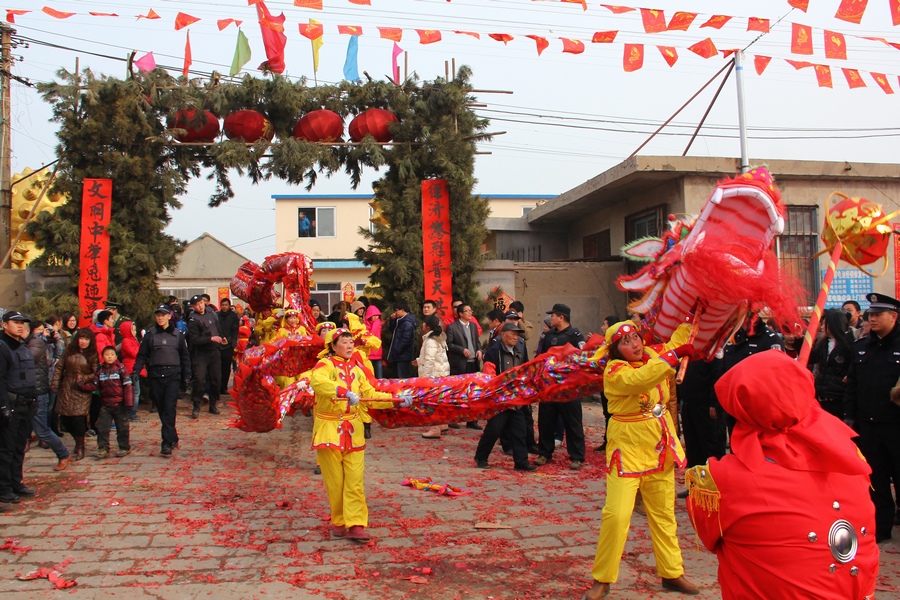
658,492
343,476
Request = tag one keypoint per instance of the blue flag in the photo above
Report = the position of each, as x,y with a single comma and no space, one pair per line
351,71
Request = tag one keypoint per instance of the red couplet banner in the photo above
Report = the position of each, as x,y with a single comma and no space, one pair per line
96,210
436,245
896,227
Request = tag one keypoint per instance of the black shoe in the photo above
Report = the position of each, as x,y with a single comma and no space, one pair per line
897,518
196,412
482,464
508,452
90,433
601,448
525,467
317,470
454,426
682,495
25,491
166,451
213,410
152,409
10,499
367,431
533,449
473,425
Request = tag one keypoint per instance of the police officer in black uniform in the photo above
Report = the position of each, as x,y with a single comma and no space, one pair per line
874,370
204,343
18,403
560,334
165,354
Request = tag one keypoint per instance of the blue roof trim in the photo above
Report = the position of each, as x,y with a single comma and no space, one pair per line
339,264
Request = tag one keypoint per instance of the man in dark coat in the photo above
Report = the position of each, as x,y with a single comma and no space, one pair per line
18,403
874,370
403,343
228,327
204,341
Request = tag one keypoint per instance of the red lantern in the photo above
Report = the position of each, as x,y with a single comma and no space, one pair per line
374,122
861,225
249,126
320,126
196,131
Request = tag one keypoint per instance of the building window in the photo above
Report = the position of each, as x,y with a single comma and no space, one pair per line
371,224
315,222
597,245
647,223
798,245
182,293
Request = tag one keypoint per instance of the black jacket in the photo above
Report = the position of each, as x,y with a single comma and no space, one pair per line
569,335
164,352
200,330
229,322
456,344
874,370
832,369
746,345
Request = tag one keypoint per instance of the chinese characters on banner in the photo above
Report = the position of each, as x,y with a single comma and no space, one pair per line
436,245
96,209
896,227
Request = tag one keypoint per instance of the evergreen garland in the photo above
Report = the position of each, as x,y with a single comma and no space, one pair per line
116,129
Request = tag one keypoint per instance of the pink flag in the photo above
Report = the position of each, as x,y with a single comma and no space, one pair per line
396,68
146,62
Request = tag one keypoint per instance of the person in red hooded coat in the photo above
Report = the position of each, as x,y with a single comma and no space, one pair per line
788,514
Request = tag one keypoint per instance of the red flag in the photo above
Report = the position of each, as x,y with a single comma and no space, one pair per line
894,5
851,10
572,46
604,37
99,14
801,39
853,78
882,82
760,63
349,30
669,54
716,21
704,48
361,2
182,20
11,14
57,14
310,4
501,37
223,23
799,4
758,24
654,20
835,46
274,40
312,31
680,21
477,36
798,64
428,36
151,14
542,43
634,57
823,75
617,10
583,3
188,59
390,33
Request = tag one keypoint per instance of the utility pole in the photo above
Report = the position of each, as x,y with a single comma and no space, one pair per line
6,33
742,118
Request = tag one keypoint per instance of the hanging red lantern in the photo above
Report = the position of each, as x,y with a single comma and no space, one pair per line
320,126
196,131
249,126
375,122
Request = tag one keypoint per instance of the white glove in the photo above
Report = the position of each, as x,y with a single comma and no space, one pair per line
352,398
407,402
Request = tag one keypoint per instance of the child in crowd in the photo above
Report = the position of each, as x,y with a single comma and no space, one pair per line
117,397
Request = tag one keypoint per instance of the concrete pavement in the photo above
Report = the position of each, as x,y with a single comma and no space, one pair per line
238,515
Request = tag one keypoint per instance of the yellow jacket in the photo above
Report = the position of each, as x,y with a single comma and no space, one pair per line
637,440
283,332
265,329
337,425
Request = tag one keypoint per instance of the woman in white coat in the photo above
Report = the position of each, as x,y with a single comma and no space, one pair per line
433,361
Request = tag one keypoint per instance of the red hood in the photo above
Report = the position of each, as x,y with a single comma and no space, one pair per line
125,330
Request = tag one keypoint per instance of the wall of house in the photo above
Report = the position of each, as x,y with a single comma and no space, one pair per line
512,207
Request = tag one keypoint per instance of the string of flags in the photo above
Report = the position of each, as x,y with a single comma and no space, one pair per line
653,21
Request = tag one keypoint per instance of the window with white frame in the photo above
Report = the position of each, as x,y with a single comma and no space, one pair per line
316,221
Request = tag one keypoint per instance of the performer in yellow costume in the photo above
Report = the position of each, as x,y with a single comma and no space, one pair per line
340,385
266,326
365,343
641,451
290,325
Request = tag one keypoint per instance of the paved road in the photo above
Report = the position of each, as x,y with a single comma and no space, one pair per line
237,516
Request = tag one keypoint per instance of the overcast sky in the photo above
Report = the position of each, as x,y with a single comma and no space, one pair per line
569,117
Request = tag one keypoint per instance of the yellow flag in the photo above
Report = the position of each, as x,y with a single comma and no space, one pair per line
316,44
